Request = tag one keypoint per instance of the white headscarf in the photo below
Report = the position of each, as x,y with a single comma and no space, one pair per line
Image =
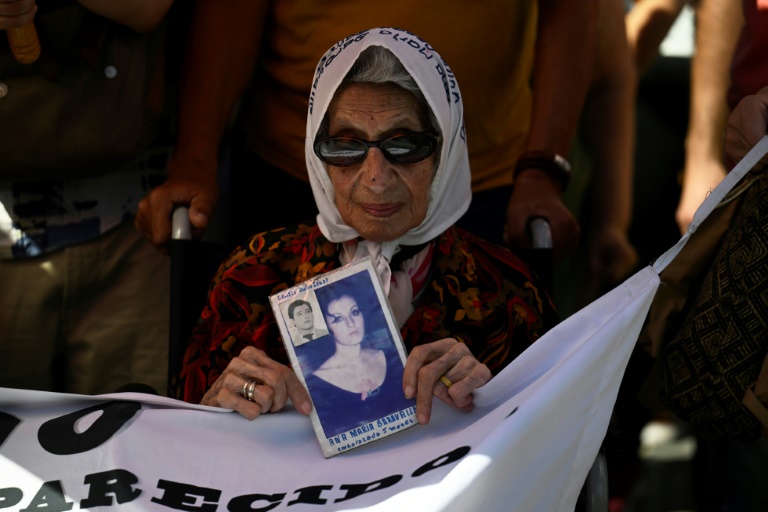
450,193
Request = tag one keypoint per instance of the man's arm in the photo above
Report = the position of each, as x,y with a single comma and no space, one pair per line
565,46
220,59
718,24
608,133
647,24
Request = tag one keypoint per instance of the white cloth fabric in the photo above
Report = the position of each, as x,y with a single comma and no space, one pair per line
450,194
527,446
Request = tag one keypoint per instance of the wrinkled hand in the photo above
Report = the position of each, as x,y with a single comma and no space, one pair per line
15,13
697,184
535,195
747,124
276,383
194,186
427,363
611,255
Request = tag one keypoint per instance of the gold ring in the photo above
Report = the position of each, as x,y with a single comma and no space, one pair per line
248,389
445,380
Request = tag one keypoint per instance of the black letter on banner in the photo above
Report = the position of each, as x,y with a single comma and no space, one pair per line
50,498
184,496
7,424
245,503
58,435
10,496
355,490
311,495
117,482
449,458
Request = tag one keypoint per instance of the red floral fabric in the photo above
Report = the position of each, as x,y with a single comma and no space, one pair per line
478,293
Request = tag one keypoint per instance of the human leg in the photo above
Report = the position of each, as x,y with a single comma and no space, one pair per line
116,313
30,306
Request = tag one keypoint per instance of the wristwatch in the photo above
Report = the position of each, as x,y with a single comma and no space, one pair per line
551,163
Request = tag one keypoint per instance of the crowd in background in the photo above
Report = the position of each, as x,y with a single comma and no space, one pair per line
134,108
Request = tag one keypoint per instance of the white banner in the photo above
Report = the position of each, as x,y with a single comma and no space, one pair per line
528,445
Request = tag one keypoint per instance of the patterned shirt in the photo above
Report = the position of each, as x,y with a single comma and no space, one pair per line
478,293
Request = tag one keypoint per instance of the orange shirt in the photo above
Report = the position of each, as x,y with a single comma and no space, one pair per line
489,45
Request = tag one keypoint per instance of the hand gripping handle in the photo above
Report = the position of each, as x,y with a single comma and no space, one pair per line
541,234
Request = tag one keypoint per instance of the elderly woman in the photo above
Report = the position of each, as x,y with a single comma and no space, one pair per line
387,160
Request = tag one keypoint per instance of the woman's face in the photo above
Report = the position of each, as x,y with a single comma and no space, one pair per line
345,320
377,198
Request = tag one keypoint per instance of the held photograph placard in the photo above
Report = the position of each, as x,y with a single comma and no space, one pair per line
345,347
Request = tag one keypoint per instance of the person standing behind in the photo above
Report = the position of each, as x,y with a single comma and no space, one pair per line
84,134
600,194
514,59
719,23
731,471
660,34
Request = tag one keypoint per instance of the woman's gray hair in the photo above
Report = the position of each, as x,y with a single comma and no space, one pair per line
378,65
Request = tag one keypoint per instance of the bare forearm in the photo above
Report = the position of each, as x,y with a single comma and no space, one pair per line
139,15
648,23
607,123
611,155
564,50
718,26
220,59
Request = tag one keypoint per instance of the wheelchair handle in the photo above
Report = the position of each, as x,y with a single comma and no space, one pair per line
181,229
541,234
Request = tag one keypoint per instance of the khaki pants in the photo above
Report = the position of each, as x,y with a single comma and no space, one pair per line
100,308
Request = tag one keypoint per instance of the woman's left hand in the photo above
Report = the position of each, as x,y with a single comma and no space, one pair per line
447,358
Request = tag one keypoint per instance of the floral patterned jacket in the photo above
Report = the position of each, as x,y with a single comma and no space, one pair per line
478,293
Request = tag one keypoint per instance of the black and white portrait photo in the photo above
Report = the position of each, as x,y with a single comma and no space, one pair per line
307,325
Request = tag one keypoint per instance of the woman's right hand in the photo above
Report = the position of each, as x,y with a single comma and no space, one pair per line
15,13
275,384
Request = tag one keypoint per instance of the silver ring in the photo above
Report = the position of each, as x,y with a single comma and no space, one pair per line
248,388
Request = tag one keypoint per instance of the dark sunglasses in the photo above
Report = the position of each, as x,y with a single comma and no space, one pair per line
400,149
